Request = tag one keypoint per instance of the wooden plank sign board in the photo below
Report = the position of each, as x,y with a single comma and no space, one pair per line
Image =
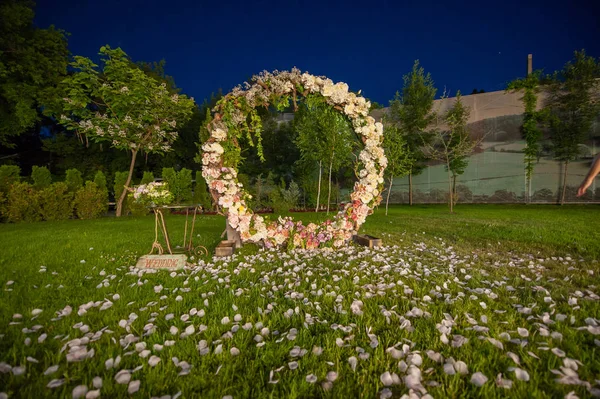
169,262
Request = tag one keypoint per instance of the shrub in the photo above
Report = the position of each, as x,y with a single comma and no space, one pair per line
9,174
259,193
41,177
90,201
464,193
201,194
148,177
545,194
184,186
282,200
170,177
136,208
180,183
291,195
100,180
503,196
23,203
56,202
311,191
2,205
73,180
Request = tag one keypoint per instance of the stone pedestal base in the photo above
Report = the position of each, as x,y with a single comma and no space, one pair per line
367,241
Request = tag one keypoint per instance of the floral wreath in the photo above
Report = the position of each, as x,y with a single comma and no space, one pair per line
235,116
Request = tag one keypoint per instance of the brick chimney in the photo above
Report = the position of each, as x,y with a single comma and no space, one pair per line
529,64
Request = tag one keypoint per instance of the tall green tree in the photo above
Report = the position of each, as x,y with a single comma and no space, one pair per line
398,155
572,106
32,62
325,137
412,112
123,106
461,145
451,144
531,129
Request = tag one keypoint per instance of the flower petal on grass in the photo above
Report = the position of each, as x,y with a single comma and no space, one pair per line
353,362
478,379
521,374
123,377
79,391
133,387
55,383
51,370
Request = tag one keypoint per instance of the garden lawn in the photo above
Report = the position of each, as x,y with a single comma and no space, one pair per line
493,301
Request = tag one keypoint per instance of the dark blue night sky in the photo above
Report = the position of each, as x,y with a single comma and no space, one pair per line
368,44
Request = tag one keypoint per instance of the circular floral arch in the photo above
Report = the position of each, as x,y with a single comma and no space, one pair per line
235,116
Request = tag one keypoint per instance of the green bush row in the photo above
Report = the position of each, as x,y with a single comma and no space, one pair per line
44,200
25,203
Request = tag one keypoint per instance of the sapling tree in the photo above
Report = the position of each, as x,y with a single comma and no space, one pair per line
122,105
398,154
324,136
532,132
572,106
412,112
451,143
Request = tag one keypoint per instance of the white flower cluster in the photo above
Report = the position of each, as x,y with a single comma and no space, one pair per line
153,193
367,190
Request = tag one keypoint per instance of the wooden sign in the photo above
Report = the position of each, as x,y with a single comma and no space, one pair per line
170,262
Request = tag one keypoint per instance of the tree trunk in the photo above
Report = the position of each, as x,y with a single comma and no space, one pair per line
410,189
387,201
454,196
329,193
450,189
319,189
564,190
124,193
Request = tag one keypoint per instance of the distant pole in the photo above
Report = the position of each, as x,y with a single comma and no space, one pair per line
529,64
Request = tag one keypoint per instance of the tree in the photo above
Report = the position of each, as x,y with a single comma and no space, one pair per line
324,135
32,62
451,144
572,106
411,111
398,155
531,121
123,106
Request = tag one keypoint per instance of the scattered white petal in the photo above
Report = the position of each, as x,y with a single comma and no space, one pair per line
521,374
51,370
478,379
558,352
153,361
133,387
79,391
123,377
523,332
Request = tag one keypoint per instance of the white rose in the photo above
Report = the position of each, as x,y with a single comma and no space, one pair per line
327,90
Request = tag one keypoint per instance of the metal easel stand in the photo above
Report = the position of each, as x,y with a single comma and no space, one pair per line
159,221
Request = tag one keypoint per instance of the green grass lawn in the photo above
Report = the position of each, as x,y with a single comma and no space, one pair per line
505,292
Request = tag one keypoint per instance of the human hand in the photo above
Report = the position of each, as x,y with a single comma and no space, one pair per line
583,188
